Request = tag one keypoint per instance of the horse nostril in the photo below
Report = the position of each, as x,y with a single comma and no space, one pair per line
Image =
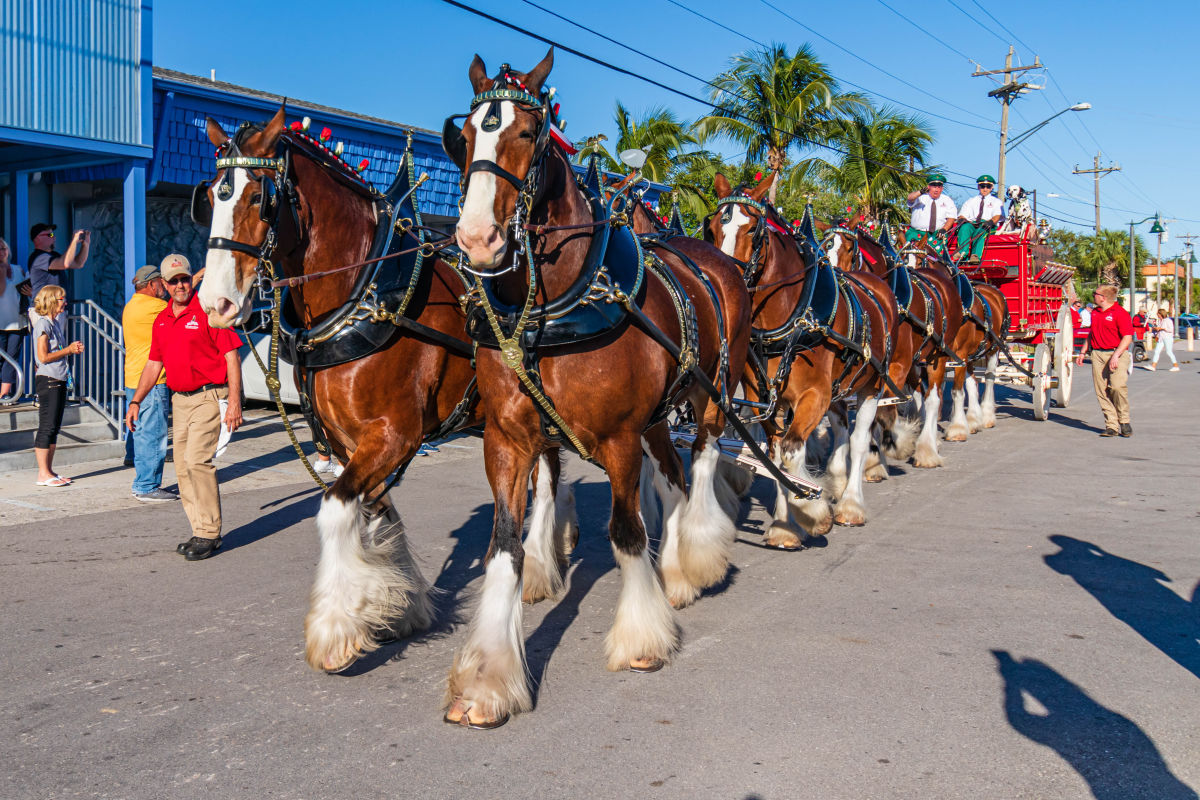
225,307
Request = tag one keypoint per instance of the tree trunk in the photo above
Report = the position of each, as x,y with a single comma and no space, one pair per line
775,161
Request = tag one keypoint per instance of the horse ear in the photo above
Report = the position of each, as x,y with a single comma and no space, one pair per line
478,75
216,134
760,191
537,76
822,226
275,127
721,184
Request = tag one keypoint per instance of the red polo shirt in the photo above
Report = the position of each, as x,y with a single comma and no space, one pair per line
192,353
1109,327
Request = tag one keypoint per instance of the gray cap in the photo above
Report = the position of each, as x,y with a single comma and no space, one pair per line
146,274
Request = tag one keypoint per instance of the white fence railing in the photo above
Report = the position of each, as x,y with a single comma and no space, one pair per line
99,372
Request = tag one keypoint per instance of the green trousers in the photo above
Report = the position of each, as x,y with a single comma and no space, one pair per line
972,237
936,241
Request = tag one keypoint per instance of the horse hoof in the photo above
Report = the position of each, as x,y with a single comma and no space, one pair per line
782,539
334,668
956,437
873,478
850,521
645,666
460,714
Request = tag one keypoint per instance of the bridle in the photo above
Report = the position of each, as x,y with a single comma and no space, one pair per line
751,267
505,89
841,230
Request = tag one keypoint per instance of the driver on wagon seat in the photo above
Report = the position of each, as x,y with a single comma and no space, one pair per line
979,216
933,213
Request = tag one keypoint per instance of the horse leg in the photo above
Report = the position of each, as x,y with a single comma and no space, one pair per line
974,413
926,454
875,469
545,547
835,468
489,678
850,510
366,583
794,516
662,474
708,530
956,431
989,391
644,633
384,528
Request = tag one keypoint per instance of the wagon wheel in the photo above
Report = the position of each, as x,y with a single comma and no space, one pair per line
1064,364
1041,382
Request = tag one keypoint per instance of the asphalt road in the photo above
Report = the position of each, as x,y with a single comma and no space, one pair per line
1022,623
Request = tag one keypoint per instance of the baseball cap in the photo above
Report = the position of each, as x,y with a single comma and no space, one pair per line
175,264
37,229
146,274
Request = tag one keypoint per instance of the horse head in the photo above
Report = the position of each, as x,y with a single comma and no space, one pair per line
240,207
738,227
499,147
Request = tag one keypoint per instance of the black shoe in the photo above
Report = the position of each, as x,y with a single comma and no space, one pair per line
1126,430
182,547
1109,432
170,457
128,462
202,548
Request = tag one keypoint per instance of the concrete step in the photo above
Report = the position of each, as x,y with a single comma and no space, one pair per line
64,455
25,416
22,439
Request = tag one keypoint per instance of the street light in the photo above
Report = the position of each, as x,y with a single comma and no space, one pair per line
1017,140
1191,261
1155,228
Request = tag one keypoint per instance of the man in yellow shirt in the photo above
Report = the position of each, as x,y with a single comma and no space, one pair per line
150,438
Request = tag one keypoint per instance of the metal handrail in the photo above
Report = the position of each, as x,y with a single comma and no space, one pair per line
19,391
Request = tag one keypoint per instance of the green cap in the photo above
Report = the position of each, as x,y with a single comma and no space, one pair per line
985,179
937,177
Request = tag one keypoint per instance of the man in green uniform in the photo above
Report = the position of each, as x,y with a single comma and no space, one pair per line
978,217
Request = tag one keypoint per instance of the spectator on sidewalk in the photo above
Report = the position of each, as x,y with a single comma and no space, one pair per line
1165,333
1109,341
13,323
203,368
45,263
150,437
51,351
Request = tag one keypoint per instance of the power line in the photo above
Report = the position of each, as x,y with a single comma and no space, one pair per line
840,80
942,42
671,89
820,35
1001,24
959,8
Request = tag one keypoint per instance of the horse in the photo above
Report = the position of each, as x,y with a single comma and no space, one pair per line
819,336
585,339
381,354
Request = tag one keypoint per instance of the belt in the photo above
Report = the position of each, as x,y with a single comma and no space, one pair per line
203,388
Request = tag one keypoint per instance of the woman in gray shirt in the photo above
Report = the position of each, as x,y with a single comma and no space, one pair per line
51,351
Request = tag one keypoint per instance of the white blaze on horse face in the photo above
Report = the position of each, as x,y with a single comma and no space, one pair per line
477,227
835,248
220,268
729,230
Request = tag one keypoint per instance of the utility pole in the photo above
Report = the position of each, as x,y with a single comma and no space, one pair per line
1189,254
1007,92
1099,172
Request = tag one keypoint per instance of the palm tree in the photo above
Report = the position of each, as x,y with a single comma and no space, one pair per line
880,145
772,101
1106,255
659,132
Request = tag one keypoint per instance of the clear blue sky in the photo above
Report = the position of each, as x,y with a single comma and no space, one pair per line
407,61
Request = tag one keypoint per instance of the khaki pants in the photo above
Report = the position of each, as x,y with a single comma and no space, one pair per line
197,427
1112,387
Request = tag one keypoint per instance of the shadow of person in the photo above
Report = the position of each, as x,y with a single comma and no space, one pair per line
1134,593
261,527
1116,758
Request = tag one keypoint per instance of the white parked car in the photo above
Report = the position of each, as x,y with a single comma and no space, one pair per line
254,385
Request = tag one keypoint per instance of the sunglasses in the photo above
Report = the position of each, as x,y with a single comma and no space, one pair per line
180,279
47,233
937,185
985,185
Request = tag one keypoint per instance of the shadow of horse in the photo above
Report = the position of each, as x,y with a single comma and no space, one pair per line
301,511
1116,758
1134,593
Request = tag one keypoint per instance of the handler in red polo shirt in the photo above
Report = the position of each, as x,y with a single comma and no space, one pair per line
1110,340
203,368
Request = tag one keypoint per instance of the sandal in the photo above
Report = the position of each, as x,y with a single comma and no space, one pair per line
55,481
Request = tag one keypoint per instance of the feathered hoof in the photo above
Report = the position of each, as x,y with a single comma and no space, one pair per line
989,423
541,582
853,516
876,474
783,537
646,665
955,435
681,592
469,715
928,463
334,652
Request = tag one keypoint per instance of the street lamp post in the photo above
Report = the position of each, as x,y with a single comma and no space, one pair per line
1155,228
1006,145
1191,259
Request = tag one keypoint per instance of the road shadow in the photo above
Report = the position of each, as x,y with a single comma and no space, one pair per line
1116,758
1135,594
301,510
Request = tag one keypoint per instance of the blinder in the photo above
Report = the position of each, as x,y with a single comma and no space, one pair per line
202,209
706,228
268,201
453,141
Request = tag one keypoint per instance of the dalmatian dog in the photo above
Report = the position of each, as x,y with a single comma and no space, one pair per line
1020,212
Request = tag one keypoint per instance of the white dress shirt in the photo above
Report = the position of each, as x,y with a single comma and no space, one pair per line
923,205
992,207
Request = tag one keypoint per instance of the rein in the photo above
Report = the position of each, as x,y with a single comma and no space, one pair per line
426,249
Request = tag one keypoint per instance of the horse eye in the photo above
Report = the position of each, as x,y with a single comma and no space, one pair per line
527,135
256,200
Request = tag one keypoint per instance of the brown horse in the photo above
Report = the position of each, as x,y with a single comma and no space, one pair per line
280,195
819,336
553,368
